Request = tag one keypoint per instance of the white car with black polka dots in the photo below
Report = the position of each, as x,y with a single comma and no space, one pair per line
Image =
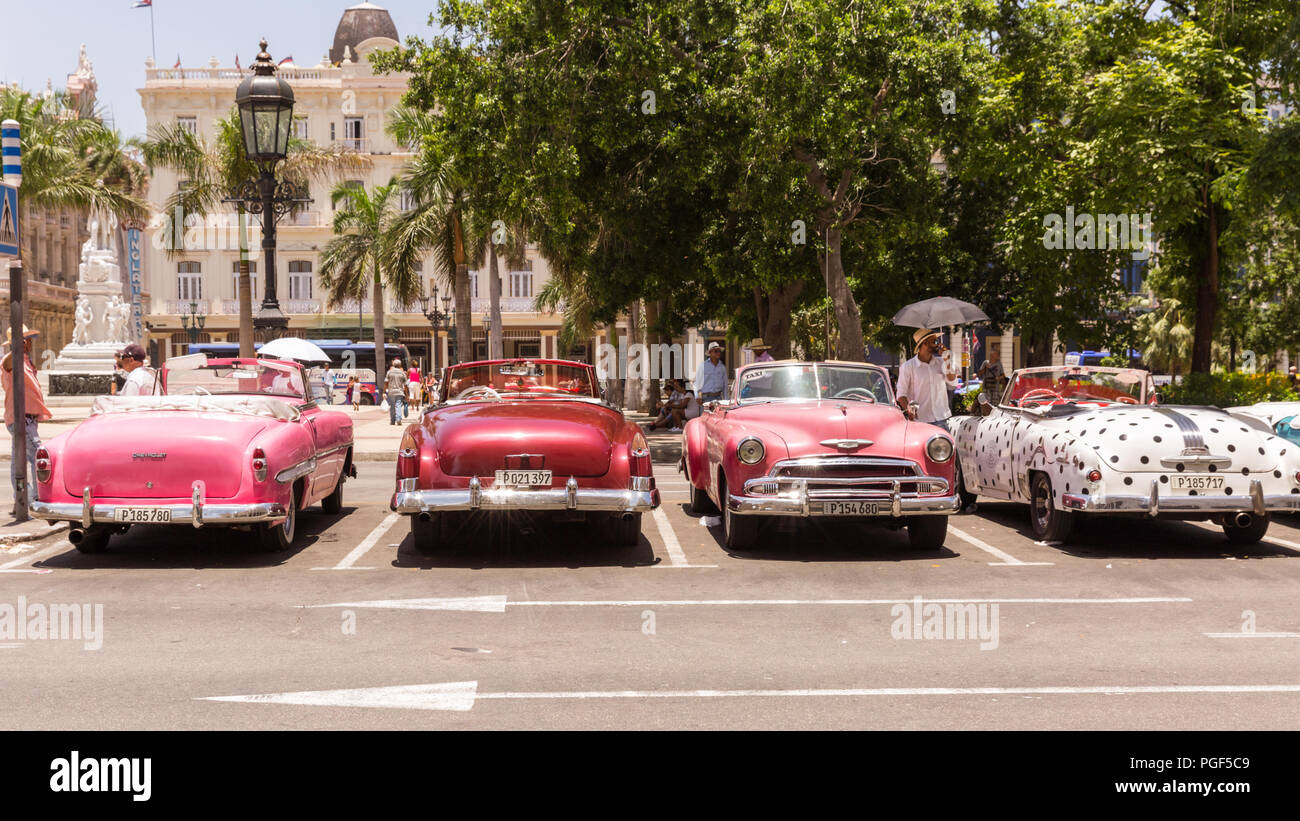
1080,440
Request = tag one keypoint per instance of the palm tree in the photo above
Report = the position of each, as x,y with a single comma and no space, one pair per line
440,223
1165,336
70,159
212,170
359,257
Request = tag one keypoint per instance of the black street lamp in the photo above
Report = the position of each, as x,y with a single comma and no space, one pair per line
438,320
193,322
266,121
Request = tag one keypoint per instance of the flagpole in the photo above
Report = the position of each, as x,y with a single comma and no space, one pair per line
153,41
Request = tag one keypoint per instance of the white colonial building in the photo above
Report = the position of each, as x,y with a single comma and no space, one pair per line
341,102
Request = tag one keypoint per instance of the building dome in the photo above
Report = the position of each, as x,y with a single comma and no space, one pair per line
358,24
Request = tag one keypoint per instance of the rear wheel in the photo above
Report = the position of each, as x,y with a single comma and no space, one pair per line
927,532
1251,533
95,540
739,532
700,502
427,536
625,531
333,503
1050,524
278,536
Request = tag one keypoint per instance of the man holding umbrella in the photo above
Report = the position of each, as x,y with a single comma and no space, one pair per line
923,381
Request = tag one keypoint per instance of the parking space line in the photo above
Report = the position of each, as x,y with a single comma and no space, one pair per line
676,556
1007,559
366,543
9,567
1252,635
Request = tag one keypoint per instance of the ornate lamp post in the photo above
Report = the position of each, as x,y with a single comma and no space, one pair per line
266,120
193,322
438,321
487,335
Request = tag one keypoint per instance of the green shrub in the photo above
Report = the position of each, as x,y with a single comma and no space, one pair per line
1224,390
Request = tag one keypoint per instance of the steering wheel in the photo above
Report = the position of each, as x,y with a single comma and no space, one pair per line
1033,395
862,393
475,390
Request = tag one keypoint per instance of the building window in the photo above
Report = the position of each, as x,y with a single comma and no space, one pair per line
353,133
189,281
300,279
521,284
1133,277
190,124
300,127
252,277
473,284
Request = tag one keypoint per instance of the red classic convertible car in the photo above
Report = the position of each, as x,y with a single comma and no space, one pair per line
233,442
522,434
818,439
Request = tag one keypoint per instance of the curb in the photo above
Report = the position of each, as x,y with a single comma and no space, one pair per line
34,536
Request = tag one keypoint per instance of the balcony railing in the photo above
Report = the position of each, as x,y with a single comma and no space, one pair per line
224,76
358,144
302,219
302,306
182,306
509,305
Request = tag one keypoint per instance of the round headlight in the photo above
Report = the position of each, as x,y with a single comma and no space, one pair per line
939,449
750,451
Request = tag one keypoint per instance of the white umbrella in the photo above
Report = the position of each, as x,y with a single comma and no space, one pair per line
298,350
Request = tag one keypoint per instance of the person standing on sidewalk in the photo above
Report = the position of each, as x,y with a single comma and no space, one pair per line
140,381
35,408
395,385
923,381
711,378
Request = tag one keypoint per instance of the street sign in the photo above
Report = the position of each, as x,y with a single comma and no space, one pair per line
8,221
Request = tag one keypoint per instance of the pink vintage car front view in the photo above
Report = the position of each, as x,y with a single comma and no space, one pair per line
522,435
808,439
233,442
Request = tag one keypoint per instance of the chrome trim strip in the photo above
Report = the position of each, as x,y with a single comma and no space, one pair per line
87,508
846,444
1192,439
295,471
1196,460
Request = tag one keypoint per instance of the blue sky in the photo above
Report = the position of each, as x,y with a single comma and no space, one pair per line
41,38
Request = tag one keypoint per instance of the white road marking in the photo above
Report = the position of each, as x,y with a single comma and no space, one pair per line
498,604
1007,559
1266,540
460,696
366,543
1252,635
58,547
676,556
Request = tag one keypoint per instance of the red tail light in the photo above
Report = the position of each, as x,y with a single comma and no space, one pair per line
408,463
639,461
1094,475
259,465
42,465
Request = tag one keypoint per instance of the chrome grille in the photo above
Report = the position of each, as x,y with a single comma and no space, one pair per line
843,477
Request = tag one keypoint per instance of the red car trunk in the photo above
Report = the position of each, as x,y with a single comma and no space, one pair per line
572,438
151,455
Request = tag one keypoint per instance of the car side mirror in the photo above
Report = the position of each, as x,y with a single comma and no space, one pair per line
982,398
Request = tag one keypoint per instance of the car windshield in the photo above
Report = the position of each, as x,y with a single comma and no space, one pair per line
814,381
243,378
520,378
1076,384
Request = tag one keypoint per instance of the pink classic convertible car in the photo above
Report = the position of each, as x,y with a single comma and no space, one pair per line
818,439
522,435
233,442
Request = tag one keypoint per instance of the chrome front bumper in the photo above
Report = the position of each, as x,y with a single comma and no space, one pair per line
642,497
1155,504
777,494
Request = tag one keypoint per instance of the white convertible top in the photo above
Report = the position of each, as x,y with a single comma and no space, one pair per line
252,405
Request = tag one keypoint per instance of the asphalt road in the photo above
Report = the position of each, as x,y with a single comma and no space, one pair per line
1136,624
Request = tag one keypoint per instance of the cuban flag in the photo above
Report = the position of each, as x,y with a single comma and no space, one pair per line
143,4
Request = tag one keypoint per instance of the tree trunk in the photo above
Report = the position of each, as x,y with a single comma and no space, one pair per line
495,348
775,316
653,339
1207,296
245,292
464,315
852,345
377,305
1038,348
633,392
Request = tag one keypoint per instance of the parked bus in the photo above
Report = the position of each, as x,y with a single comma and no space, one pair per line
347,359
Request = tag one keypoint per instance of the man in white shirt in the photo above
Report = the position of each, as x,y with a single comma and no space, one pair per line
140,381
922,380
711,378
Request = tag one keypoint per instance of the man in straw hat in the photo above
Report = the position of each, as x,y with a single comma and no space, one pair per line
34,409
922,380
762,351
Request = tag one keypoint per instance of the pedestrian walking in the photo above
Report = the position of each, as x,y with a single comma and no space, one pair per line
34,409
140,381
353,395
923,381
413,387
329,385
395,385
711,377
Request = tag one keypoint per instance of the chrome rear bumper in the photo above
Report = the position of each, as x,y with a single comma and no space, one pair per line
640,498
198,516
1156,504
